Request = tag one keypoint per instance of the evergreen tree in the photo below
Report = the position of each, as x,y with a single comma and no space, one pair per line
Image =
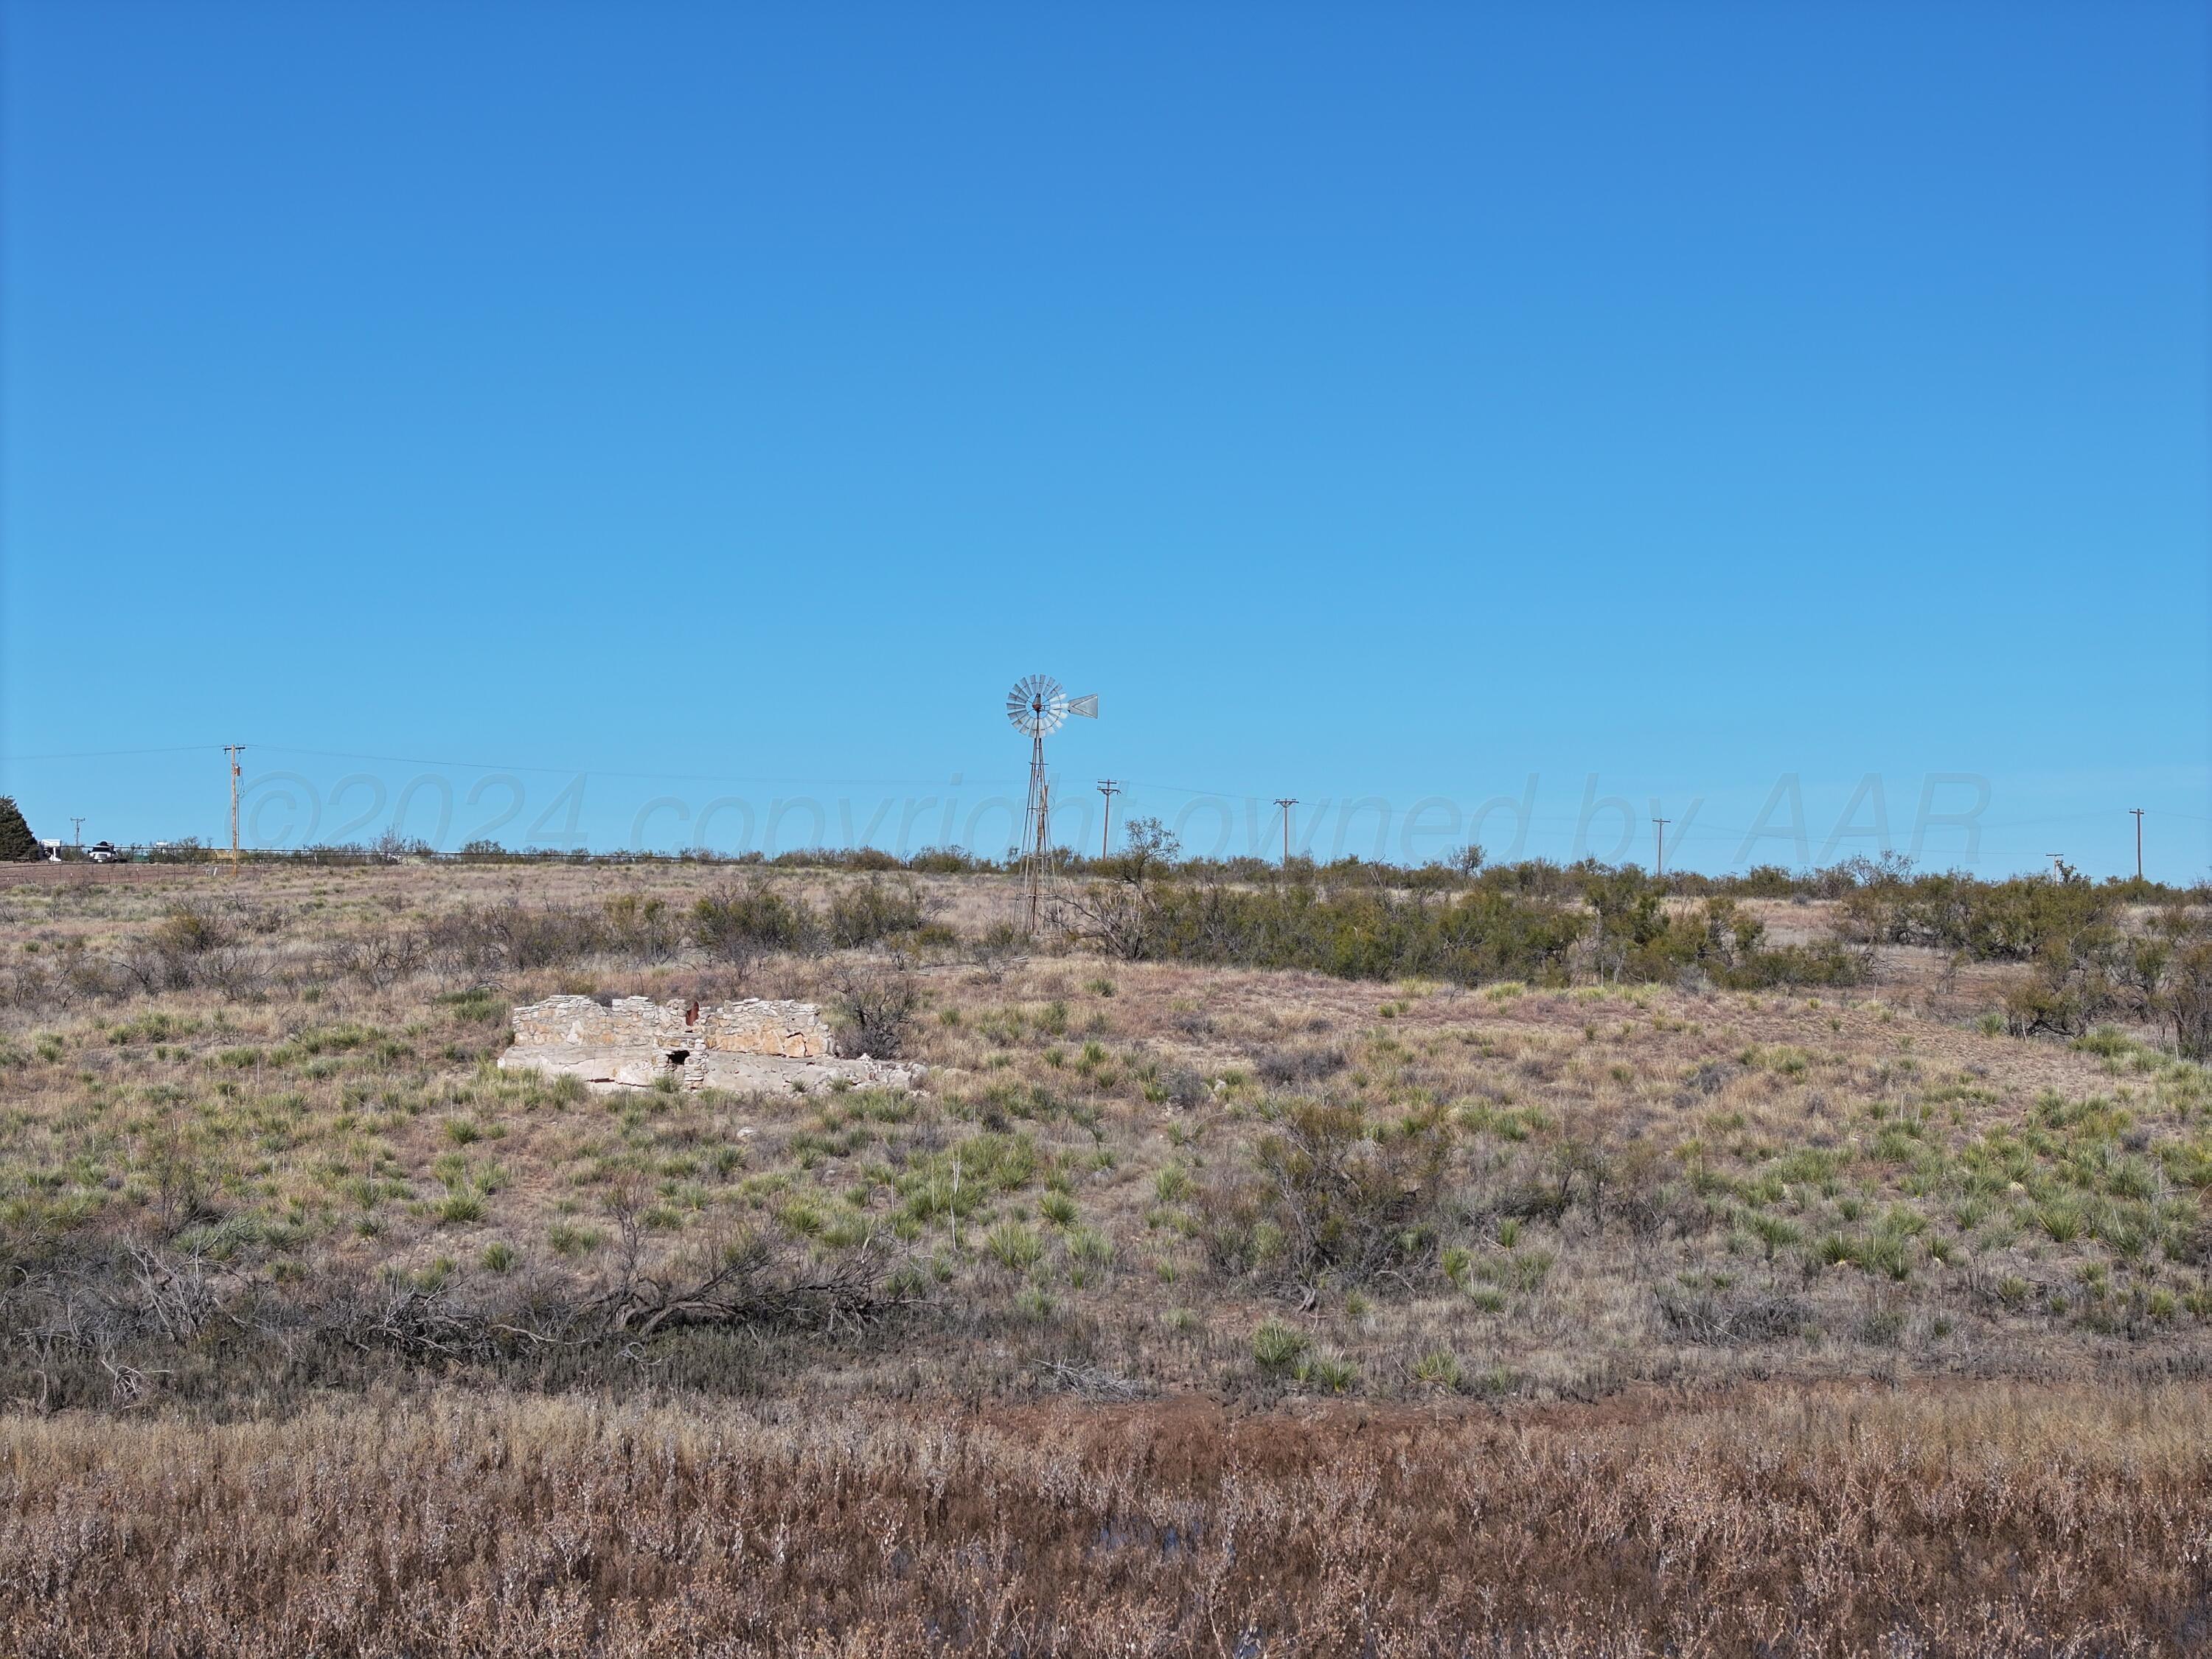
16,841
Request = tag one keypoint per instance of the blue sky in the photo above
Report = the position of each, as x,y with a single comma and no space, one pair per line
640,417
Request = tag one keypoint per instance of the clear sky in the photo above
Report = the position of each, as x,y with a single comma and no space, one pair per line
1697,404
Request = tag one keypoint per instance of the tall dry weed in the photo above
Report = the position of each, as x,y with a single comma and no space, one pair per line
1984,1520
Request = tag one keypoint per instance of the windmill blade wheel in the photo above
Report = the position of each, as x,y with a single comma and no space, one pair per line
1037,705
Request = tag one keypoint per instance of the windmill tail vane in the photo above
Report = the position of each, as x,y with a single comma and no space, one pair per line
1037,705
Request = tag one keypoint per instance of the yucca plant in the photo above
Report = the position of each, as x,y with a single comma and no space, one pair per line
2060,1219
1277,1347
1018,1246
1440,1369
1332,1373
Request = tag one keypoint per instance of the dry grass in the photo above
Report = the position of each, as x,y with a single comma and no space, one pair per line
1997,1521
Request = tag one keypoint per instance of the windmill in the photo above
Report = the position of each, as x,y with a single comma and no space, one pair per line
1037,705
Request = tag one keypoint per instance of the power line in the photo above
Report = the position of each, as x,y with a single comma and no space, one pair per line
725,777
504,766
1703,832
112,754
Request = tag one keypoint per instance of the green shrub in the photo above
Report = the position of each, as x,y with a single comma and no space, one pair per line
868,911
641,927
1359,932
742,921
1336,1193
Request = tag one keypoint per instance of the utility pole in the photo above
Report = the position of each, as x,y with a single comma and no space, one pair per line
233,750
1108,788
2057,865
1659,836
79,826
2137,811
1287,802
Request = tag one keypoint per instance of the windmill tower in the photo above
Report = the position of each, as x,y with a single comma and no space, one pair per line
1037,705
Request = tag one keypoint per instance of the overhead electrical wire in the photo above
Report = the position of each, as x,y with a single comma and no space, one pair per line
1697,830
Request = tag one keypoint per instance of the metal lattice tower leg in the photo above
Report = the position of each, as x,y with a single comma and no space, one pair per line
1033,836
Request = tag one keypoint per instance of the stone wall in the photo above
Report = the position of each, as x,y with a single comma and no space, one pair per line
749,1047
795,1030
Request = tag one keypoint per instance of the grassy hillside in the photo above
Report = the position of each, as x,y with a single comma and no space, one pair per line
1480,1252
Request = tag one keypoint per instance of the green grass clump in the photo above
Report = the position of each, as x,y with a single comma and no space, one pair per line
2060,1220
1458,1264
1035,1303
1277,1346
1439,1369
570,1241
1332,1373
1773,1232
1018,1246
1058,1208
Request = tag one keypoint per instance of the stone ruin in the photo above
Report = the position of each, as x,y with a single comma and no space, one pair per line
746,1047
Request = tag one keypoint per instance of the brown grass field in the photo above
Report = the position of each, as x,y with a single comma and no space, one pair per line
1188,1310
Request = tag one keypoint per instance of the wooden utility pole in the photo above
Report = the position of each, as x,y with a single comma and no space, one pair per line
1287,802
233,750
1659,836
1109,788
2137,811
